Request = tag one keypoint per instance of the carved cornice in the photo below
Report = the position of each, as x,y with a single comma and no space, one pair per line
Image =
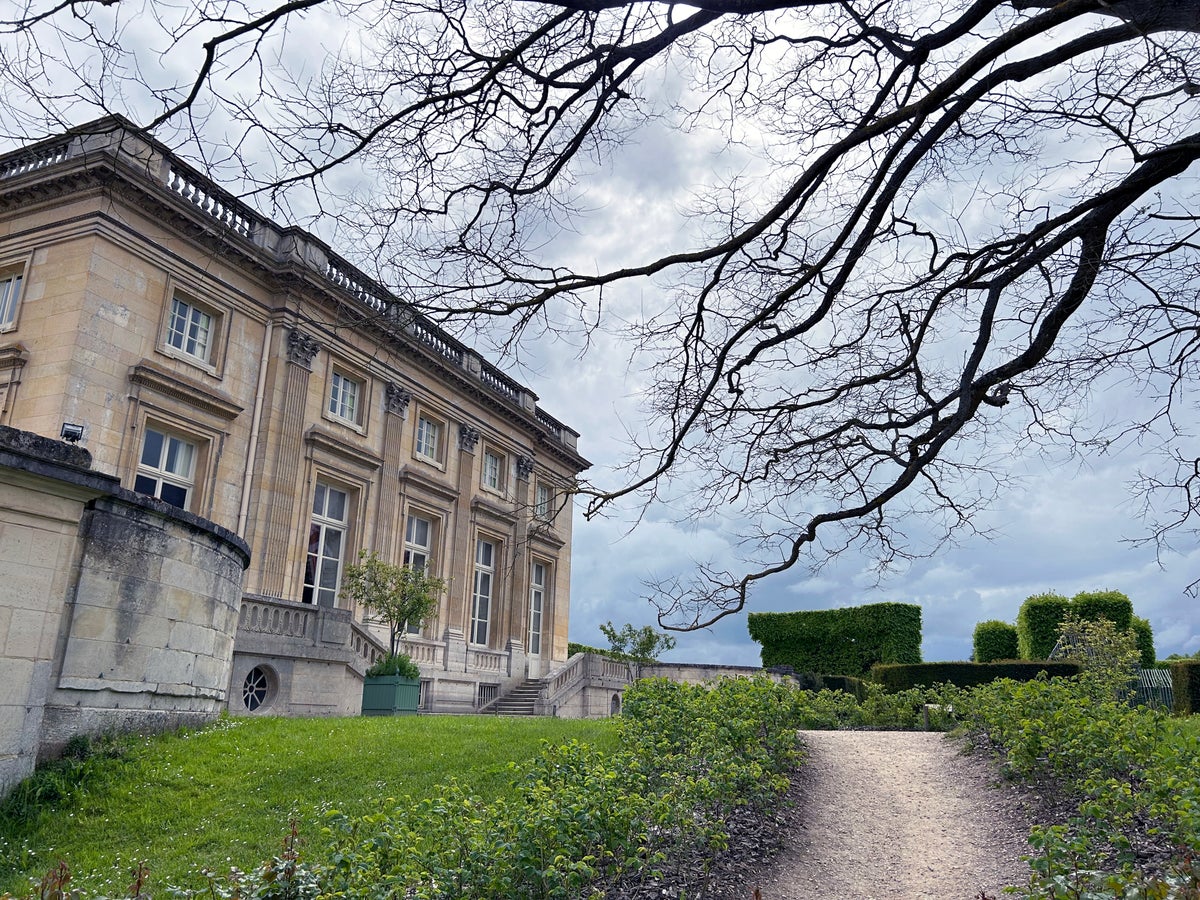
13,356
320,439
417,481
483,507
145,374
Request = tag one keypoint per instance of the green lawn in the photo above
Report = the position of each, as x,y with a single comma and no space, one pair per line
224,796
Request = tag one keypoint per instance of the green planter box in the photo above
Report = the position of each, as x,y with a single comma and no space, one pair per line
390,695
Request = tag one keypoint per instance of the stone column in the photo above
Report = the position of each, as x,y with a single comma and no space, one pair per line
389,536
283,433
518,613
462,553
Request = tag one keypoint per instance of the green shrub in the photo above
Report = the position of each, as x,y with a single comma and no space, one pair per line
967,674
1038,624
400,664
1185,683
1145,641
1134,771
1111,605
845,641
995,640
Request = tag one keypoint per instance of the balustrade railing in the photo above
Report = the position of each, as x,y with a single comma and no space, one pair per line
425,653
486,660
270,617
212,201
34,160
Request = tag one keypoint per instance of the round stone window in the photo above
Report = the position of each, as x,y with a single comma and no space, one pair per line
257,688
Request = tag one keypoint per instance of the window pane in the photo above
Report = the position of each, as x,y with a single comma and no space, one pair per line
333,544
337,505
484,554
174,494
180,456
144,484
152,448
10,293
319,500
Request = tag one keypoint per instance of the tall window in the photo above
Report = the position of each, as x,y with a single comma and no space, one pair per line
429,438
10,296
537,605
418,535
190,328
326,539
544,507
167,468
344,396
493,470
481,600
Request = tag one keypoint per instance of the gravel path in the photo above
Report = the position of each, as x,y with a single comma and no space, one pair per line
897,815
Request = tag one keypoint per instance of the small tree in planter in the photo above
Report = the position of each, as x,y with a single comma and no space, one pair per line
401,596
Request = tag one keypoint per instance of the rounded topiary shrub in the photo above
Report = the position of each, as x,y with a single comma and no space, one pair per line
995,640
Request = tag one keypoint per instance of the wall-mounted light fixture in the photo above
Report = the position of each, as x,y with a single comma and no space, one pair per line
71,433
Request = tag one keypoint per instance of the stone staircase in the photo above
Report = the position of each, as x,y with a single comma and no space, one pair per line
520,701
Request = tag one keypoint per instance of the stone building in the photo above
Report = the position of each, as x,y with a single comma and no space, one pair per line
244,373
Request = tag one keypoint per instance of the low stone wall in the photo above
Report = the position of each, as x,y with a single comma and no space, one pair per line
695,673
120,611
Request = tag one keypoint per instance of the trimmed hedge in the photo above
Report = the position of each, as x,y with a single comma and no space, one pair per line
967,674
1040,618
1145,640
995,640
1111,605
846,641
1038,624
1185,683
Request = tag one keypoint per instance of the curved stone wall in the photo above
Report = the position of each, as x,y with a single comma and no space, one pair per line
122,609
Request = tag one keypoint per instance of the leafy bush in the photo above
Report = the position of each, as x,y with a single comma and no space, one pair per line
1185,683
995,640
1145,640
1038,622
641,644
967,674
1111,605
401,664
840,641
1134,770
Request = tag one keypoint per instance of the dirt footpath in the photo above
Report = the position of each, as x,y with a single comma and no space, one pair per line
898,815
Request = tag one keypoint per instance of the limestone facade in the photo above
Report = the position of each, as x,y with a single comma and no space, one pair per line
242,371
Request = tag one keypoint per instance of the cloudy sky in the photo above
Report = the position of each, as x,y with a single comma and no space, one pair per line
1065,525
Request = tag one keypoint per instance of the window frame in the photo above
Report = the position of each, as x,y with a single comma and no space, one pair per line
483,602
218,314
321,525
335,396
159,473
410,549
544,508
491,478
423,417
539,594
13,269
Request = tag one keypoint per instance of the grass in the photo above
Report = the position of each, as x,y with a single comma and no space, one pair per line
224,796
